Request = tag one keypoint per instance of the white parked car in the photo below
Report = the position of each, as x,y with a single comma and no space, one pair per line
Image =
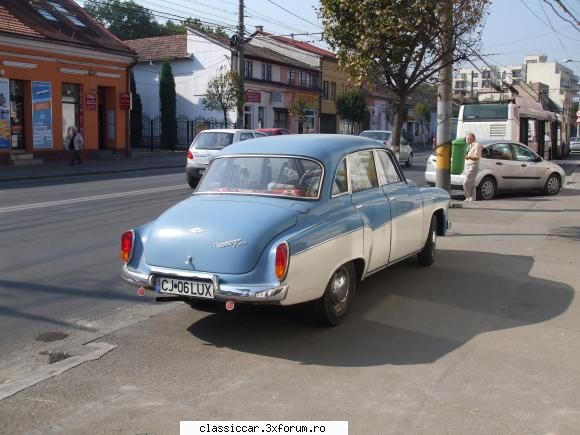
385,136
206,144
505,166
575,145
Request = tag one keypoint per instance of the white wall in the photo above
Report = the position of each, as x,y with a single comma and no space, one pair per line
147,83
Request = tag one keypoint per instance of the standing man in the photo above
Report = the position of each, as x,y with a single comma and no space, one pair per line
75,144
471,167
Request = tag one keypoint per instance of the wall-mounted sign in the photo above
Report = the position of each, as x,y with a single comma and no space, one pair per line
311,100
4,114
91,101
276,97
253,97
125,101
41,115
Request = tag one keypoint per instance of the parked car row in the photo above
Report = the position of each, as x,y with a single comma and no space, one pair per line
385,136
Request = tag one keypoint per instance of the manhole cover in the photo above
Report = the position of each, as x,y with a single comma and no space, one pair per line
48,337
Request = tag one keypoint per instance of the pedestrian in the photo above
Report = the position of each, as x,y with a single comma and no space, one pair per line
75,144
471,167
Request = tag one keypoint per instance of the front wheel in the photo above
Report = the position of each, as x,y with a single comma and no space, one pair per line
487,189
553,185
427,255
335,303
192,181
409,161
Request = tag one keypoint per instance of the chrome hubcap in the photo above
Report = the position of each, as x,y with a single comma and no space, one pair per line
553,185
487,190
339,289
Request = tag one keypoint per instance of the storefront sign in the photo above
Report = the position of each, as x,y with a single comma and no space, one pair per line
276,97
4,114
41,115
91,101
253,97
310,100
125,101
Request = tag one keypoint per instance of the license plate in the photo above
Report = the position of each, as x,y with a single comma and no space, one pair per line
184,287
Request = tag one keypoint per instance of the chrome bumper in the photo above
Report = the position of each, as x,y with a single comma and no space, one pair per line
225,292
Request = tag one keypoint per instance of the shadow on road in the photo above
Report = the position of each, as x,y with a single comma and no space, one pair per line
403,315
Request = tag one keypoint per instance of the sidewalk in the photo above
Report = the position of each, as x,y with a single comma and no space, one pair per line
139,160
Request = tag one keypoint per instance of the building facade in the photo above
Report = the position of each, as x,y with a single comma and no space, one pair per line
58,69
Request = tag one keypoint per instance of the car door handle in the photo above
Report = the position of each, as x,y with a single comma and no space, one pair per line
499,163
359,206
524,165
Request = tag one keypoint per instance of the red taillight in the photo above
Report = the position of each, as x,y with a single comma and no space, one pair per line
189,155
126,246
282,260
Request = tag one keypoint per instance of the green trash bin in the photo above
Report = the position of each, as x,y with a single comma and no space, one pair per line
458,151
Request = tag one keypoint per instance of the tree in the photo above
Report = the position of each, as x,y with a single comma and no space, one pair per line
167,105
297,109
125,19
399,45
224,93
353,107
423,114
136,115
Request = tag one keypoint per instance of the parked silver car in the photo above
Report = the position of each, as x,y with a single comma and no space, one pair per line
507,165
206,144
575,145
385,136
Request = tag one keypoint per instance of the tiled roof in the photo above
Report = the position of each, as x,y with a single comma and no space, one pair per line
10,24
252,51
300,44
160,48
22,18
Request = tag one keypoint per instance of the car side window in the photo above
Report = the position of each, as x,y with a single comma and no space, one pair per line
246,136
284,132
340,184
523,154
498,151
363,174
256,134
389,168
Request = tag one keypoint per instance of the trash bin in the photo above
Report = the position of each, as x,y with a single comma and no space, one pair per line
458,151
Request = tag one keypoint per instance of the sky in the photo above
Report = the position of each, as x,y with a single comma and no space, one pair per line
514,28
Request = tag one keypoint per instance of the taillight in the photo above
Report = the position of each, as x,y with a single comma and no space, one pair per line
127,246
282,260
189,155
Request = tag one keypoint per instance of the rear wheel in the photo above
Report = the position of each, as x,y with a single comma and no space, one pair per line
335,303
487,189
192,181
553,185
427,256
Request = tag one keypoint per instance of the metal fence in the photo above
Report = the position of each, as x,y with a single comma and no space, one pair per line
185,131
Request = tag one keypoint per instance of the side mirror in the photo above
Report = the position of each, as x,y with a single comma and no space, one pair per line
539,158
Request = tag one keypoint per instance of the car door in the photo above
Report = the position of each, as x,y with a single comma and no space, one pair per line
406,205
498,160
530,169
372,205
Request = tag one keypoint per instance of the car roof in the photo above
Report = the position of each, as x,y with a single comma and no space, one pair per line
377,131
328,148
271,129
226,130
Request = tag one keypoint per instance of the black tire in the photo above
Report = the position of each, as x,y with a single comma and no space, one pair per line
333,306
427,255
553,185
409,161
487,189
192,181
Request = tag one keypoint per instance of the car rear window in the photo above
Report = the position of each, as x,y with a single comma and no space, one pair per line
263,175
212,140
376,135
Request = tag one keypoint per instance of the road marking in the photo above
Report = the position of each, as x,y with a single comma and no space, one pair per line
95,351
88,199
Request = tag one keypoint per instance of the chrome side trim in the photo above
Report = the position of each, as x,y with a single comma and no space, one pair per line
328,240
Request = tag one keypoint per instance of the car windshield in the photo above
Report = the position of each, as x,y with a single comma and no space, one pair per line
485,112
377,135
212,140
263,175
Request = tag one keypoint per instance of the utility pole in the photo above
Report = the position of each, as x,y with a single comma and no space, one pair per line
443,148
241,63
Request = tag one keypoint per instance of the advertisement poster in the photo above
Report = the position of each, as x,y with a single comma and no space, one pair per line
41,115
4,114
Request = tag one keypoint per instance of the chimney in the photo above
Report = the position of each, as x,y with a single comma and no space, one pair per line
260,29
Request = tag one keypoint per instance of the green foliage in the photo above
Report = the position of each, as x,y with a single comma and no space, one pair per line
136,115
353,107
423,112
127,19
400,44
297,109
167,106
224,92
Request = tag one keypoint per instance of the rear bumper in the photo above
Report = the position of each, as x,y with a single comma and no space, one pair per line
223,292
456,180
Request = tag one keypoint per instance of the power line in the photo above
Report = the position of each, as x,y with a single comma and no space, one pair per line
565,9
292,13
554,30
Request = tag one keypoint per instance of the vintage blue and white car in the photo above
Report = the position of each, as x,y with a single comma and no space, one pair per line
288,219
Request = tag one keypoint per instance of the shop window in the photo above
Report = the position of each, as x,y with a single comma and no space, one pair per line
17,114
261,117
70,107
308,121
280,118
